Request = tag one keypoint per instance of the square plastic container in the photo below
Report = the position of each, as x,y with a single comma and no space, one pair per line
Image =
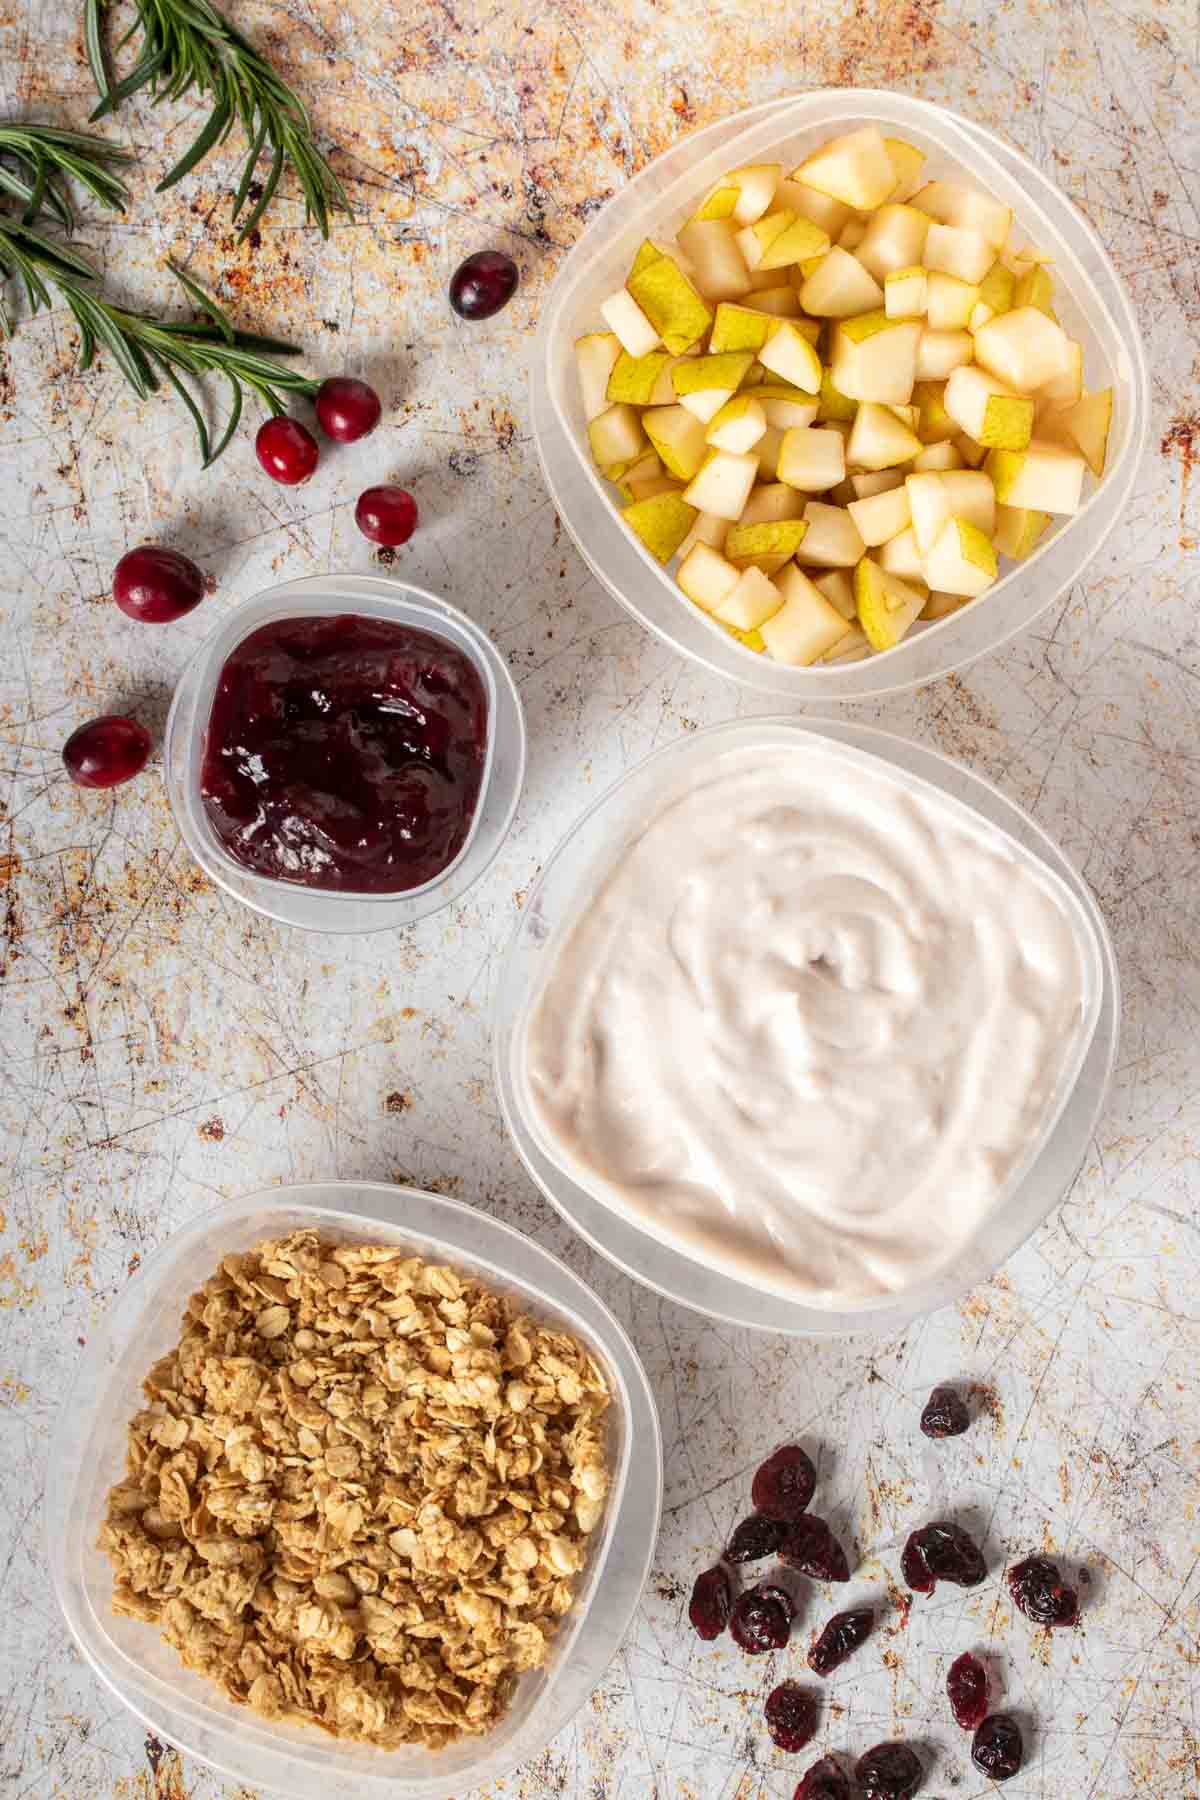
1035,1186
323,909
88,1455
1089,299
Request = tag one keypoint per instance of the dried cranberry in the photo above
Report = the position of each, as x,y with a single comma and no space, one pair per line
945,1414
753,1539
810,1546
824,1781
967,1688
941,1552
784,1484
840,1639
1038,1589
791,1716
762,1618
888,1772
711,1603
997,1750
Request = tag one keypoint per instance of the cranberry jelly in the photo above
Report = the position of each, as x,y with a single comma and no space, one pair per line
345,753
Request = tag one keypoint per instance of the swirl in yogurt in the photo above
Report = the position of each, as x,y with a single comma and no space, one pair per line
808,1024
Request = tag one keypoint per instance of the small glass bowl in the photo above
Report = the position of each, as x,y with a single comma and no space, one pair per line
88,1455
324,909
1036,1186
1090,301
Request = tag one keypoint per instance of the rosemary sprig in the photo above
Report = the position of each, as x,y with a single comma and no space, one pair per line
44,155
147,349
188,44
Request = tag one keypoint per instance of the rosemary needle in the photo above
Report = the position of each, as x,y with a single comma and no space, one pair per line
44,154
189,45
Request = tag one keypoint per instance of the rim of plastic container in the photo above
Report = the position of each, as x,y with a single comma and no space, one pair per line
319,909
305,1766
945,645
1048,1171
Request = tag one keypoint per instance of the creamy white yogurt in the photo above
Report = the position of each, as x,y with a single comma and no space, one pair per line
808,1024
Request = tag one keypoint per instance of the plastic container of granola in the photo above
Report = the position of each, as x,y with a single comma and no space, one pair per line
88,1455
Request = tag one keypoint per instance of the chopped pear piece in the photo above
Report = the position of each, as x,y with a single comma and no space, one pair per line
949,302
694,374
958,251
887,606
881,517
678,436
811,459
718,271
1088,423
875,481
852,234
707,403
935,457
1044,475
783,238
784,406
834,407
718,204
780,302
853,648
963,559
767,547
940,606
752,602
855,169
616,436
738,328
839,287
987,410
662,522
934,423
671,303
706,529
806,625
767,450
830,214
634,378
1063,390
832,540
723,484
939,353
645,487
770,502
875,358
894,239
648,252
971,451
1035,288
900,556
1024,348
756,185
965,493
1018,529
879,440
595,356
645,467
625,317
953,203
995,294
706,578
904,293
739,424
837,585
908,162
788,354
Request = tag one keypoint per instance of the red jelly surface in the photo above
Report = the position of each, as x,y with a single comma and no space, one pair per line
345,753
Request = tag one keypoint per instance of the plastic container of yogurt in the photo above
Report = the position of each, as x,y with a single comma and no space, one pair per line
1034,1183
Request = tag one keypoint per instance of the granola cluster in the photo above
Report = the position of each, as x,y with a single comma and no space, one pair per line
361,1490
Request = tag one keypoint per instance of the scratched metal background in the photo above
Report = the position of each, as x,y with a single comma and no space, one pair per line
160,1048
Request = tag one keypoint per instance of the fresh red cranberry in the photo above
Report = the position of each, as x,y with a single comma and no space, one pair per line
791,1716
843,1635
105,752
712,1599
941,1552
483,284
287,450
888,1772
762,1619
824,1781
155,585
386,515
945,1414
783,1485
347,409
810,1546
997,1750
967,1689
1039,1591
753,1539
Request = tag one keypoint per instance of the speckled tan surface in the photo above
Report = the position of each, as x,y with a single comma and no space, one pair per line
160,1047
